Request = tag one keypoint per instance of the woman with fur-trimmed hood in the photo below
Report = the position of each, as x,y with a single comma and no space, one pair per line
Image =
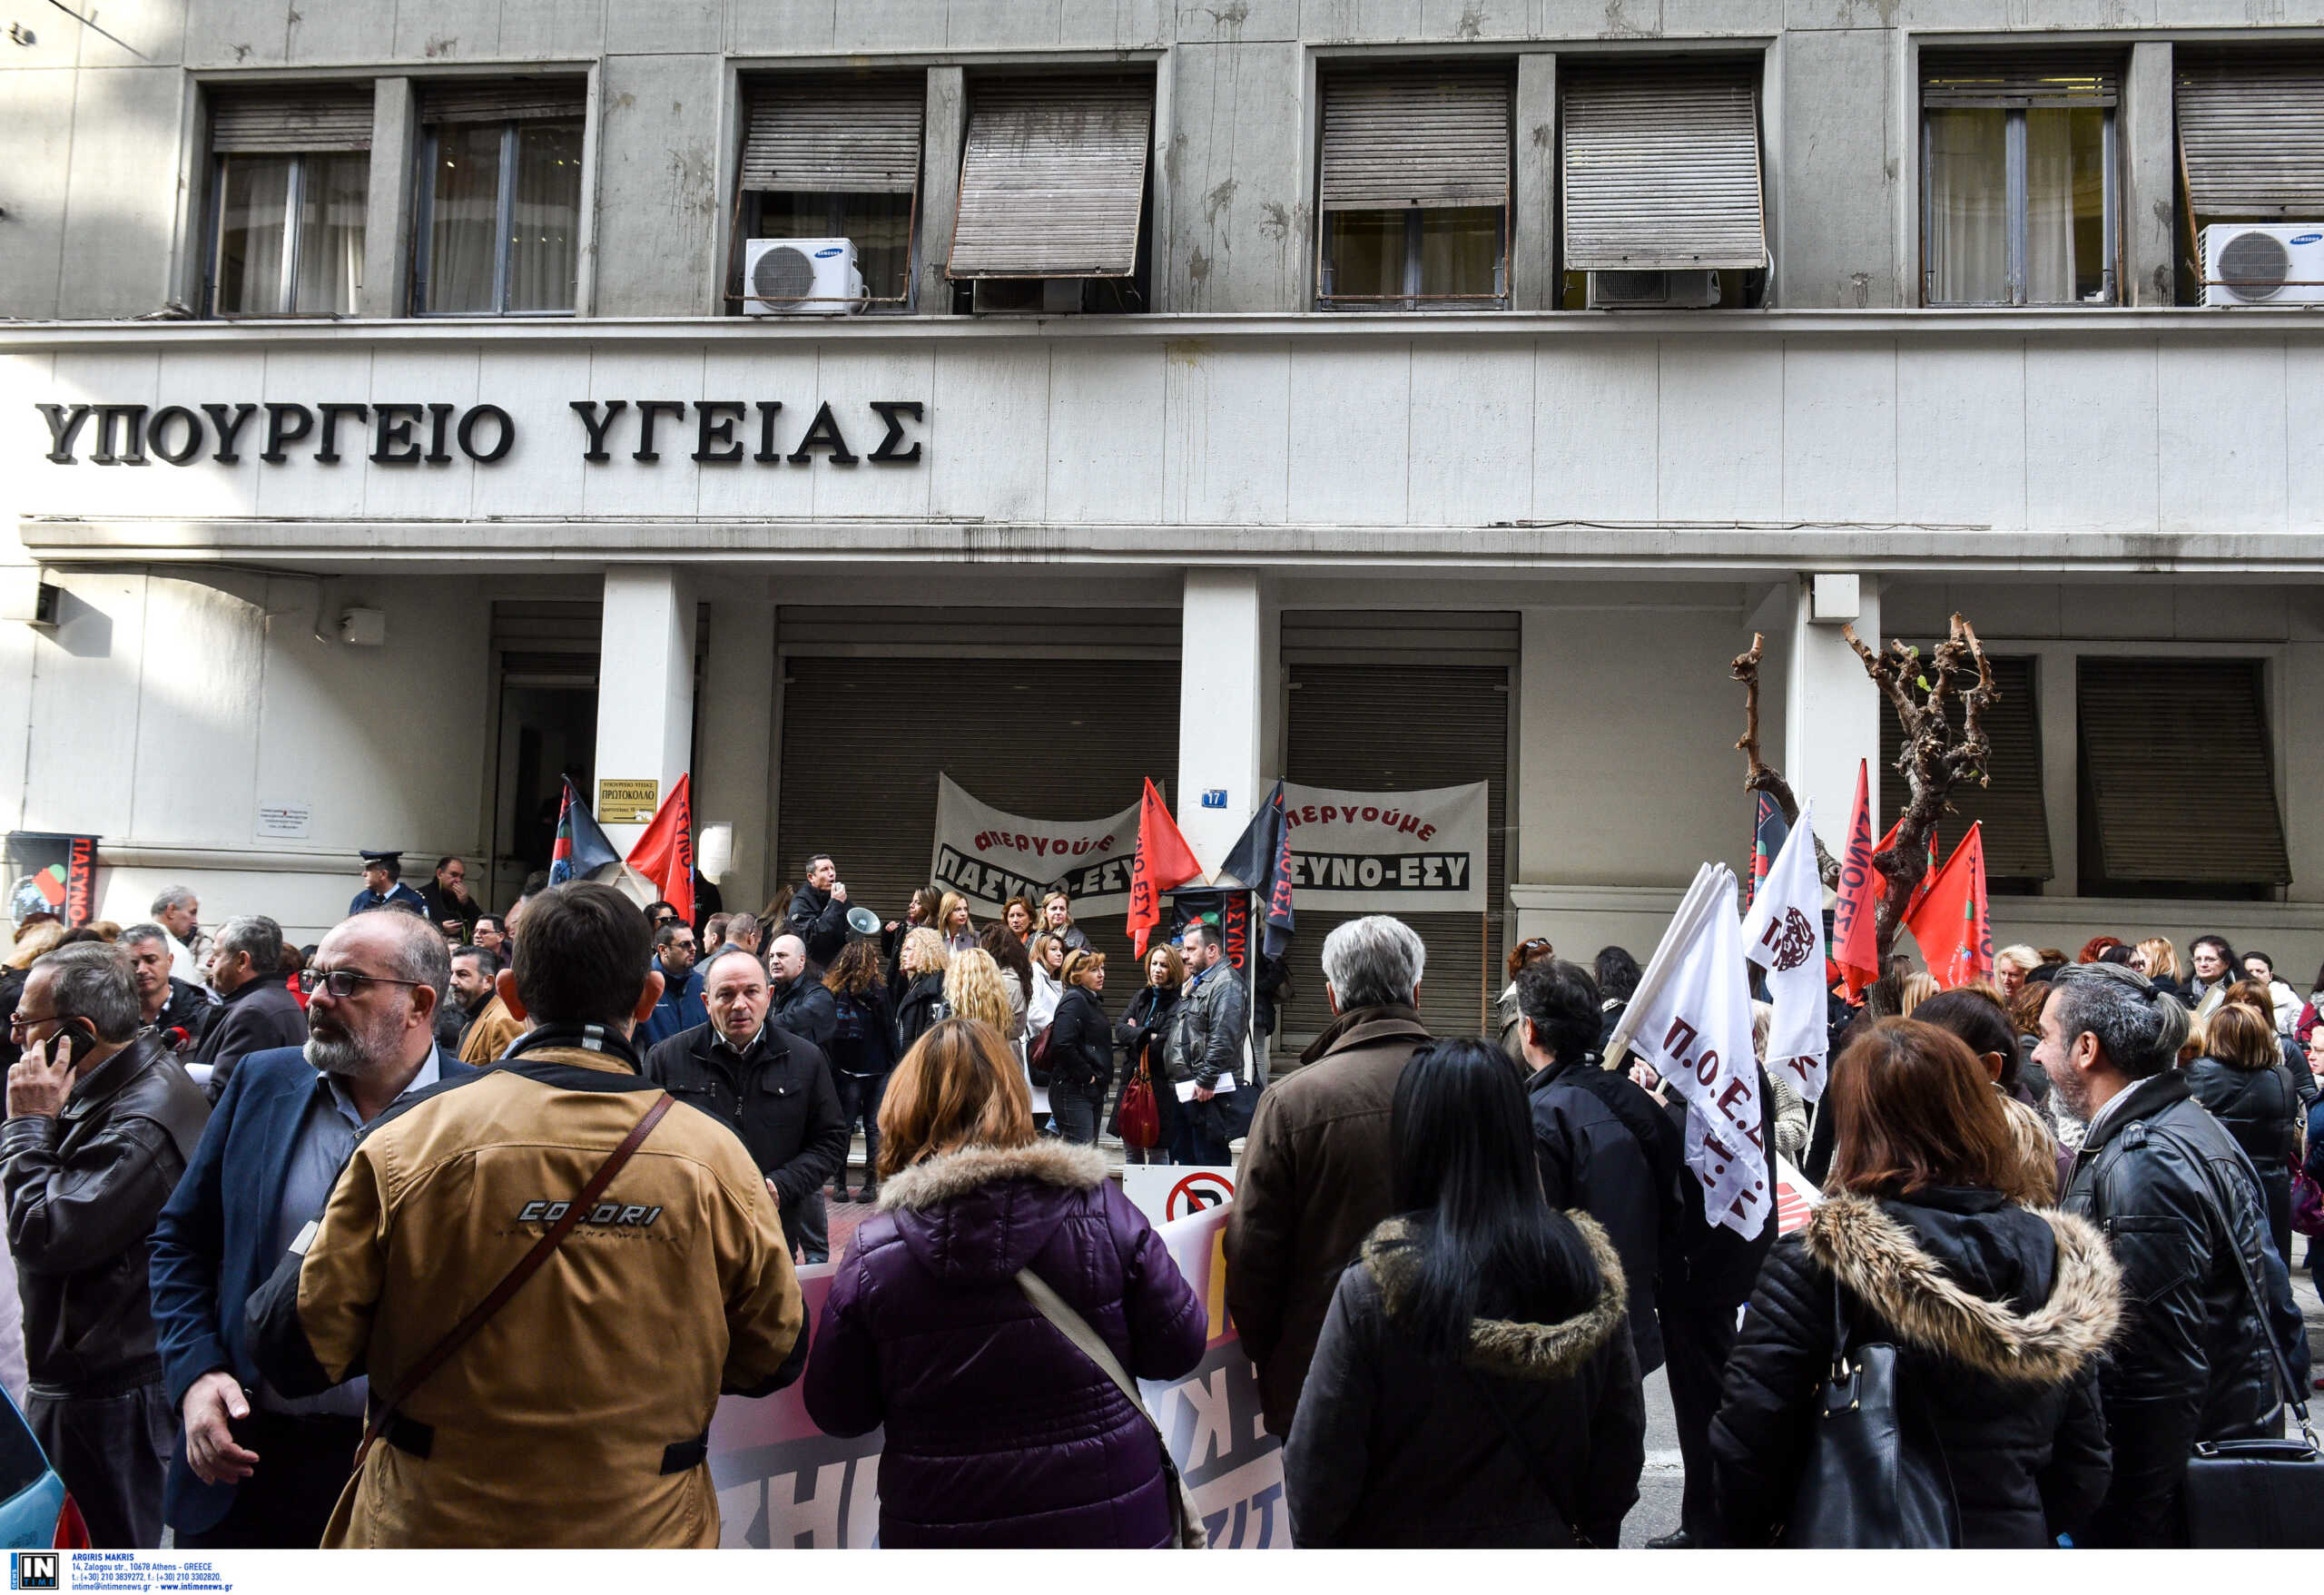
999,1431
1475,1384
1999,1312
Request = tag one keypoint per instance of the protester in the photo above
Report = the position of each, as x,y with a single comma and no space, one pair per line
999,1431
1047,956
1057,919
446,900
258,1468
1509,1018
953,923
1016,917
257,1013
862,1050
743,931
2000,1315
2304,1027
1210,1029
714,931
802,1003
2194,1363
818,912
2215,969
2240,1078
679,1008
1081,1050
488,932
474,973
2011,966
918,912
32,942
772,1088
101,1125
1474,1385
575,1416
1312,1182
1618,975
175,1011
2254,995
492,1028
1979,1023
922,963
383,884
973,989
178,911
2282,1000
1016,977
1139,1036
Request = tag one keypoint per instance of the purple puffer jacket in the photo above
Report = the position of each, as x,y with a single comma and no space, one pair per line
999,1431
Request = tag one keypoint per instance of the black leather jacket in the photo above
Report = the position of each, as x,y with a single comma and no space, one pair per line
84,1189
2260,1107
2177,1201
1081,1044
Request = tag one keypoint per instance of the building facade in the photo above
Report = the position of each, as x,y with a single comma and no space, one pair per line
404,405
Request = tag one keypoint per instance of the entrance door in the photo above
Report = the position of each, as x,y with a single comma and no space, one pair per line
547,653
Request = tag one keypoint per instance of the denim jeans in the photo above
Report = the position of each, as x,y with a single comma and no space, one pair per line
1075,1110
858,1099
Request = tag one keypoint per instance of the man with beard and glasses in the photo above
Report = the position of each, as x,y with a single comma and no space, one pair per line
260,1469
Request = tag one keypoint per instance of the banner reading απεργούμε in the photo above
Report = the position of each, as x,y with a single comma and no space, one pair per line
988,857
1417,852
784,1482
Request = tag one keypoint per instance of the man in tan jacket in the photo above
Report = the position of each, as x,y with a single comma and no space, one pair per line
578,1414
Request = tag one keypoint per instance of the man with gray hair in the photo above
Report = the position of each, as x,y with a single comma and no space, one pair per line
102,1121
1316,1172
179,1011
259,1011
2182,1212
179,911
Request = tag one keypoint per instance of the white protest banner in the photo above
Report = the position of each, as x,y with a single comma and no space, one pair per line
1784,935
782,1482
1416,852
988,857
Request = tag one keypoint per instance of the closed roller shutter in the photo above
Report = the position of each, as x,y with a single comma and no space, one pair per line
1661,171
2019,79
2177,774
1053,178
1415,136
2016,824
1404,700
291,119
2251,134
834,134
877,703
527,99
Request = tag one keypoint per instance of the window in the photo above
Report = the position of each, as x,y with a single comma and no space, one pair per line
834,156
2017,178
2178,792
2009,805
1052,189
499,221
2250,150
290,186
1415,189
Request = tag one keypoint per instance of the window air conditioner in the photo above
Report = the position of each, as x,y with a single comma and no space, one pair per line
800,277
2246,264
1026,296
1653,291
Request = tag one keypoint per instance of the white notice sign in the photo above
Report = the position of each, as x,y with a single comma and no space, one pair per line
282,818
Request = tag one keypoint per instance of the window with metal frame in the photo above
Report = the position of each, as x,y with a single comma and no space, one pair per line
2009,805
1412,187
2018,189
291,172
498,230
1661,168
835,155
2178,790
1053,177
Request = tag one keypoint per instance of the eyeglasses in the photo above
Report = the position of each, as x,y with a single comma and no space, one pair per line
21,1024
344,983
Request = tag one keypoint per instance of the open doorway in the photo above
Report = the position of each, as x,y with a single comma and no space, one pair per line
547,652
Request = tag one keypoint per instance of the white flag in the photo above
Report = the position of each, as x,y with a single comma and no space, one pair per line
1692,1023
1784,935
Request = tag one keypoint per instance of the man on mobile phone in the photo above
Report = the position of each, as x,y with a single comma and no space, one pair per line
101,1123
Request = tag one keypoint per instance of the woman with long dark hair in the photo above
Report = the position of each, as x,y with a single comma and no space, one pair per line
862,1051
1474,1383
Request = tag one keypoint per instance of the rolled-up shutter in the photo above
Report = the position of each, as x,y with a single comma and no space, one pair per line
2251,134
1403,701
2178,779
2021,79
2017,825
834,134
291,119
1053,178
1415,136
1661,171
526,99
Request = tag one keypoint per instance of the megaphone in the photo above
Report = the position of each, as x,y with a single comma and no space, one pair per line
862,921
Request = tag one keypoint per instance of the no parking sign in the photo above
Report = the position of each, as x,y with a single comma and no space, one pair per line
1165,1191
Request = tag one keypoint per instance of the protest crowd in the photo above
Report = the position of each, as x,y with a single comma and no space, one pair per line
453,1229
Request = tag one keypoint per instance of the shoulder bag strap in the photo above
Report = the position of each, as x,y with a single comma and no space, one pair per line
461,1333
1088,1342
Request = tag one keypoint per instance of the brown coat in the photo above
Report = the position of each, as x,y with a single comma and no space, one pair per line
488,1034
1316,1179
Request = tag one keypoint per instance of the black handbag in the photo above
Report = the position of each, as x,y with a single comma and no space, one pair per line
2261,1494
1868,1484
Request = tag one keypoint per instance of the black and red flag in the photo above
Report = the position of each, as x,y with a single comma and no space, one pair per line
1261,860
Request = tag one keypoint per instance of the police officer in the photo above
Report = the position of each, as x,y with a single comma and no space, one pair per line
383,884
574,1415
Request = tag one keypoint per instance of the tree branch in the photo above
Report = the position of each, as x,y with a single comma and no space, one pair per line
1756,775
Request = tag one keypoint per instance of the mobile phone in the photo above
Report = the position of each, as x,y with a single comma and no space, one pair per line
80,1039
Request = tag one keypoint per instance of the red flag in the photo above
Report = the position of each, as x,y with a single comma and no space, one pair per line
1853,948
665,855
1163,861
1954,928
1928,875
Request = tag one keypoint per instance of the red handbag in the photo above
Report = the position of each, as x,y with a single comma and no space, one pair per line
1140,1115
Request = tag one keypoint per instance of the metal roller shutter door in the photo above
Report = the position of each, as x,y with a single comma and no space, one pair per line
833,134
2016,823
526,99
294,119
2251,134
1415,136
1361,721
1661,171
865,735
2178,775
1053,178
2019,79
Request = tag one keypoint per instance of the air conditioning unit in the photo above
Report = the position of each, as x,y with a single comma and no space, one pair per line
1653,291
800,277
1026,296
2249,264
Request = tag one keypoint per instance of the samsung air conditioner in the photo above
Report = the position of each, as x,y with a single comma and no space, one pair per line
2247,263
1653,291
800,277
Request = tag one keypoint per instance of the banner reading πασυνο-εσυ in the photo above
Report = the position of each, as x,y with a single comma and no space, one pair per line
1416,852
988,857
